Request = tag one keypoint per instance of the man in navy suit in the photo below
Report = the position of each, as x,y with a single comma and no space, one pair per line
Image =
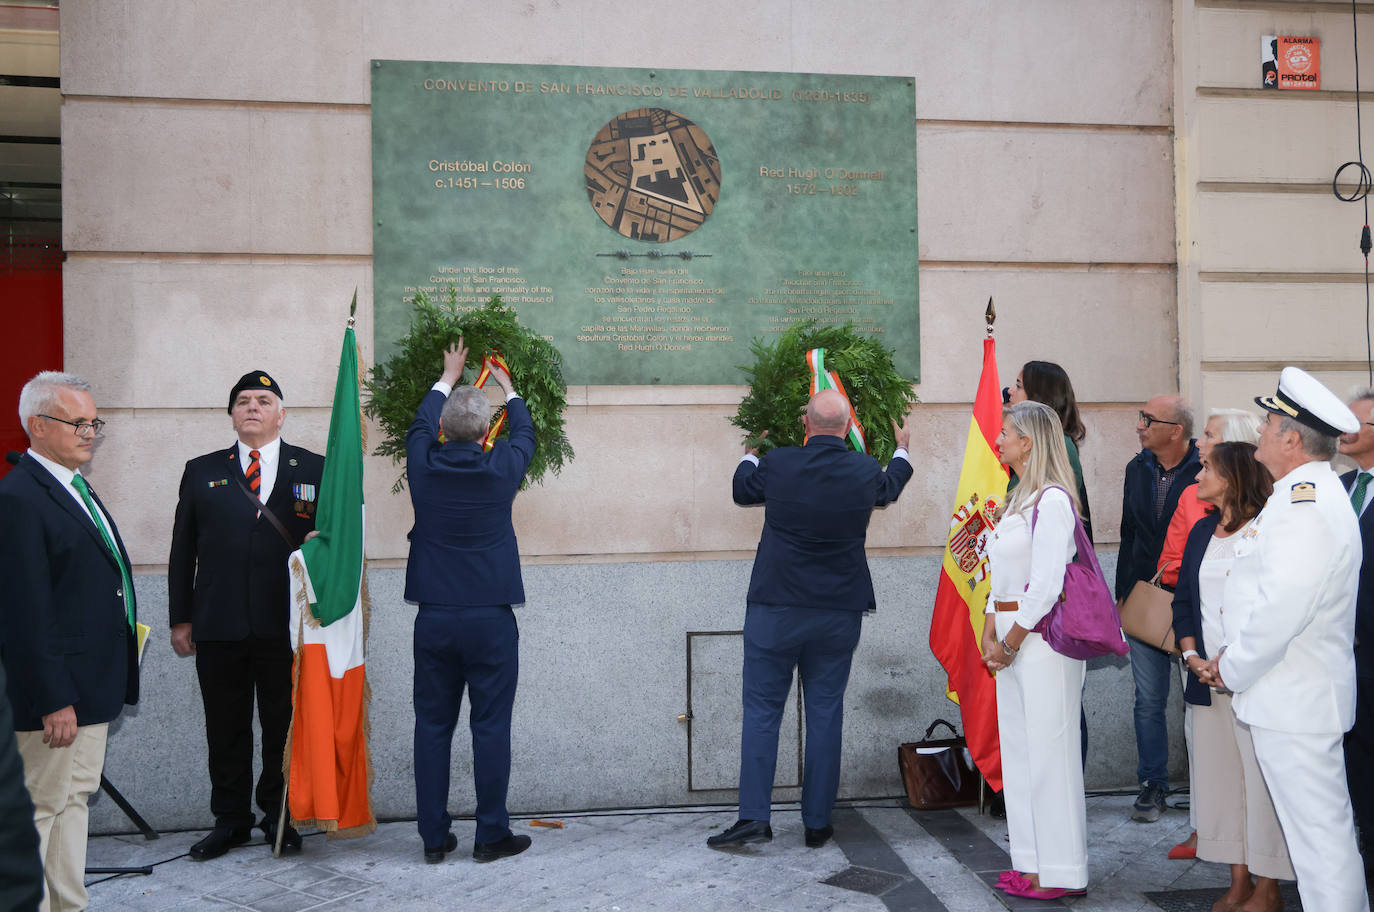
807,596
464,571
240,513
1359,741
68,638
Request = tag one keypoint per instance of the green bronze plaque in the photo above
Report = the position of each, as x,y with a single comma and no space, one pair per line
650,223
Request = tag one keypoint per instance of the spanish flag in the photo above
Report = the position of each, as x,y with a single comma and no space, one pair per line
327,766
956,626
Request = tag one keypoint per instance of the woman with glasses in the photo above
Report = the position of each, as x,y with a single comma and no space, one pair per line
1223,425
1039,691
1236,823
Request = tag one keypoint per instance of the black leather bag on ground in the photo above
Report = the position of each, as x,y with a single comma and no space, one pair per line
938,773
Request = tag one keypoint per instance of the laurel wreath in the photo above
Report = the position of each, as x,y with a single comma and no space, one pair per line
780,386
399,384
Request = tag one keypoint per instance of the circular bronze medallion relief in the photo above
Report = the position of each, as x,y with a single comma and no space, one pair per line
652,175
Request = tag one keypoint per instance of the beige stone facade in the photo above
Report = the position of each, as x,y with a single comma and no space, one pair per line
1105,169
1270,271
200,241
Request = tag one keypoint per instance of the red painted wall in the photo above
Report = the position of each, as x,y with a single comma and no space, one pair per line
30,340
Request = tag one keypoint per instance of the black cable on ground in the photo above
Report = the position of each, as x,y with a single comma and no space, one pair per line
1361,192
130,874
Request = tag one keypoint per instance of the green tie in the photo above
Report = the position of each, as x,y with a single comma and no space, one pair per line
84,490
1357,495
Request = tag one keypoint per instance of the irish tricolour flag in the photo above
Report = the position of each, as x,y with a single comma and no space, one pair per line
327,766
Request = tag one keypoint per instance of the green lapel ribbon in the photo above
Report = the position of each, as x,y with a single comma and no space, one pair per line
84,490
1357,495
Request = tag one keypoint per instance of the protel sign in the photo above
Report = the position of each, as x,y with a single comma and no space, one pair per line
1299,62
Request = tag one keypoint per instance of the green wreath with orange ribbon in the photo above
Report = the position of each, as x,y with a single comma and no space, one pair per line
536,368
808,355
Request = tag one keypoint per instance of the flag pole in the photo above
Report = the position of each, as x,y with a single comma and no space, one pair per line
286,758
983,802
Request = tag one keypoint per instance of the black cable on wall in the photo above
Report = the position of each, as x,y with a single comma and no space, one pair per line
1361,191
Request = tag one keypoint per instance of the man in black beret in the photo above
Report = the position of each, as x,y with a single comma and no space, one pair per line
241,513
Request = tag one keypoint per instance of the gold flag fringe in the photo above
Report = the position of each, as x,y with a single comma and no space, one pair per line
302,597
362,419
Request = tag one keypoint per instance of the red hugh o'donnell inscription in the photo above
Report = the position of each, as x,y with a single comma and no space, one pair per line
652,175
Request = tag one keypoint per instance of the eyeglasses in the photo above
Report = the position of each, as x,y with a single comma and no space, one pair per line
1150,419
83,429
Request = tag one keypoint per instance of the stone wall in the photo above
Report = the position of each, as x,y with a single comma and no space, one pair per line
200,244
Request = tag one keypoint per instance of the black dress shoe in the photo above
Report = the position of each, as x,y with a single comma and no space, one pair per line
490,851
434,856
290,839
817,838
742,832
220,840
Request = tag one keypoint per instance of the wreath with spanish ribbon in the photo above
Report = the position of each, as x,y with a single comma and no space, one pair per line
807,358
493,330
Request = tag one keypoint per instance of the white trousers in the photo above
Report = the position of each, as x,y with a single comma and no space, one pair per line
60,782
1306,778
1039,697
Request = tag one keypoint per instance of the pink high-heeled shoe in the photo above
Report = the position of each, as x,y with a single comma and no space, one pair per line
1010,879
1027,890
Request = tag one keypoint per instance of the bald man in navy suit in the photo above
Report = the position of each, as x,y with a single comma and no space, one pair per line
807,596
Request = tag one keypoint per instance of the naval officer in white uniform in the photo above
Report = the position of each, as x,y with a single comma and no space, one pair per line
1288,621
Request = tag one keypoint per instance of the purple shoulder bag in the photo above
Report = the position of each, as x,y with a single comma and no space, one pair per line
1083,623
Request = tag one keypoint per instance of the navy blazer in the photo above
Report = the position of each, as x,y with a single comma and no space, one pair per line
227,573
1142,536
817,502
1364,602
1188,602
462,547
65,637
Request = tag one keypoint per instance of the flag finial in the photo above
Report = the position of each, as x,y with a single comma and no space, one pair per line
990,314
353,308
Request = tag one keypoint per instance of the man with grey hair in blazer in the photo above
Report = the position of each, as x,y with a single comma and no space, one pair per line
68,639
464,571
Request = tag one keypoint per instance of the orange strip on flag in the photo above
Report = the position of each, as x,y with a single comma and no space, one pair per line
956,626
329,763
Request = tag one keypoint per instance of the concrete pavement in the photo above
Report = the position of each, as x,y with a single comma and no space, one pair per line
884,857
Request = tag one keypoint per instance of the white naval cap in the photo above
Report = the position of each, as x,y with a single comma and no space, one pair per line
1303,398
